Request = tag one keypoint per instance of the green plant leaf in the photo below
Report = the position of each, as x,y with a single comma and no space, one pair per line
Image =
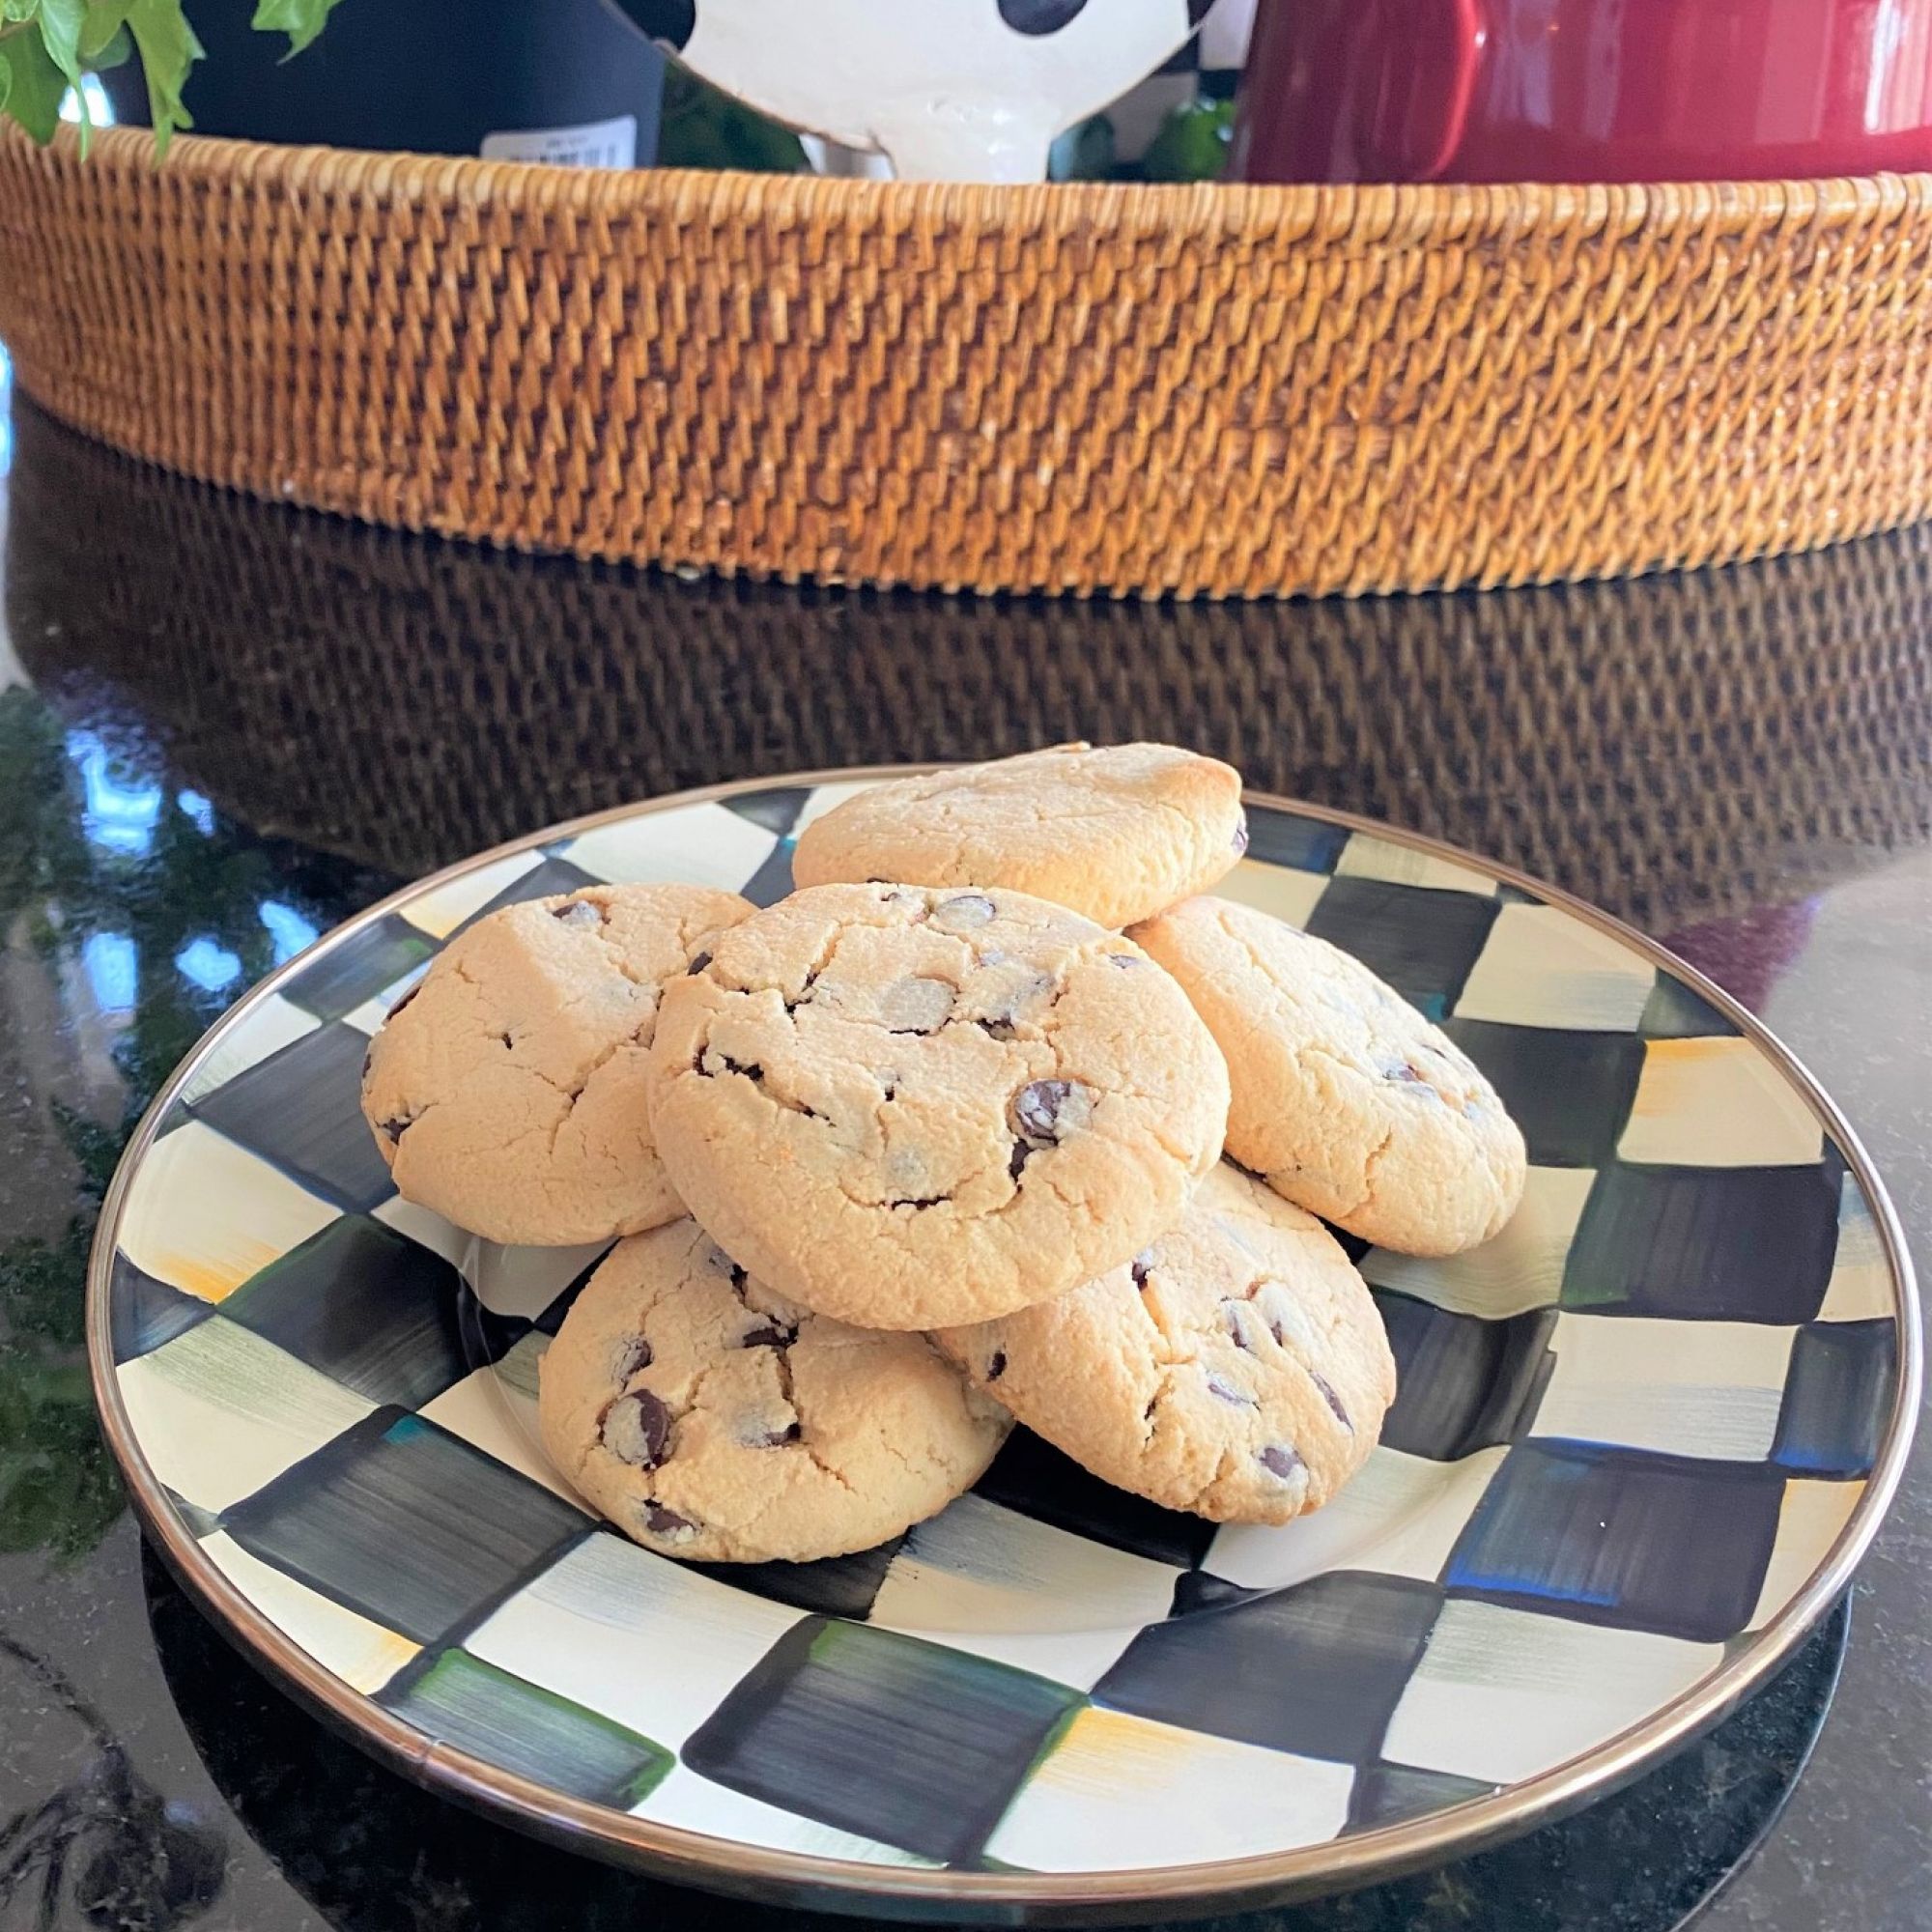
105,22
118,49
1192,144
61,22
6,81
1085,152
168,49
301,21
18,10
37,85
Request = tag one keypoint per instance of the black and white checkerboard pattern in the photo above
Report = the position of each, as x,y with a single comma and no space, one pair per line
1629,1431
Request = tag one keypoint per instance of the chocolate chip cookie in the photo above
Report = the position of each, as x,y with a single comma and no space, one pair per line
506,1091
1347,1100
906,1106
1236,1366
1117,832
708,1417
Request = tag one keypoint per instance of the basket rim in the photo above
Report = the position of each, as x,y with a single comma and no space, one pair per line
1033,1898
1373,213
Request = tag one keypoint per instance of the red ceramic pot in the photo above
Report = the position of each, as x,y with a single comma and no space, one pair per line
1585,90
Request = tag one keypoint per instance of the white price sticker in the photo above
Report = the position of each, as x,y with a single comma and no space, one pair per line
596,144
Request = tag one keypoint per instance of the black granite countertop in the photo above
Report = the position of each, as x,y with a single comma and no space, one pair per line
224,726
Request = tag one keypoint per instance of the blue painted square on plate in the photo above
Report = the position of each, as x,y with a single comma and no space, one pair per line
1463,1383
406,1524
1837,1394
1305,844
1676,1012
1673,1545
776,808
1034,1479
882,1734
144,1312
1569,1091
1707,1243
461,1700
368,1308
1423,941
834,1586
1385,1794
773,880
359,967
1316,1669
549,878
302,1108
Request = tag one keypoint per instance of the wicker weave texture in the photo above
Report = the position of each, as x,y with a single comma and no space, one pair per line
1198,390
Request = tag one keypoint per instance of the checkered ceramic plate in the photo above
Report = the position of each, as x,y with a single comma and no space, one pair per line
1642,1440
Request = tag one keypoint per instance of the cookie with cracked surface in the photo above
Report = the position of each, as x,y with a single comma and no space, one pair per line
904,1106
1116,832
1236,1366
708,1417
1347,1100
506,1091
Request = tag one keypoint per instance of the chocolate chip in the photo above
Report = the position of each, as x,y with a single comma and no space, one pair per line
1046,1110
1124,959
999,1028
1405,1074
579,911
1218,1385
716,1062
1020,1155
668,1524
1240,842
506,1040
368,1055
396,1128
1333,1401
772,1335
1143,1266
777,1438
1278,1459
698,965
636,1356
637,1429
1243,1324
964,912
997,1367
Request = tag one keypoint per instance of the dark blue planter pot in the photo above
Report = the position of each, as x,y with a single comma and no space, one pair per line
435,77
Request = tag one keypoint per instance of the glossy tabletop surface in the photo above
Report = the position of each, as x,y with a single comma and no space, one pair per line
224,726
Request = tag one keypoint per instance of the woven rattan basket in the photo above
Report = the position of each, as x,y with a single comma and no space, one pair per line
1201,390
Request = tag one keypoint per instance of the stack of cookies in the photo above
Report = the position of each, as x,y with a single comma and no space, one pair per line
994,1118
